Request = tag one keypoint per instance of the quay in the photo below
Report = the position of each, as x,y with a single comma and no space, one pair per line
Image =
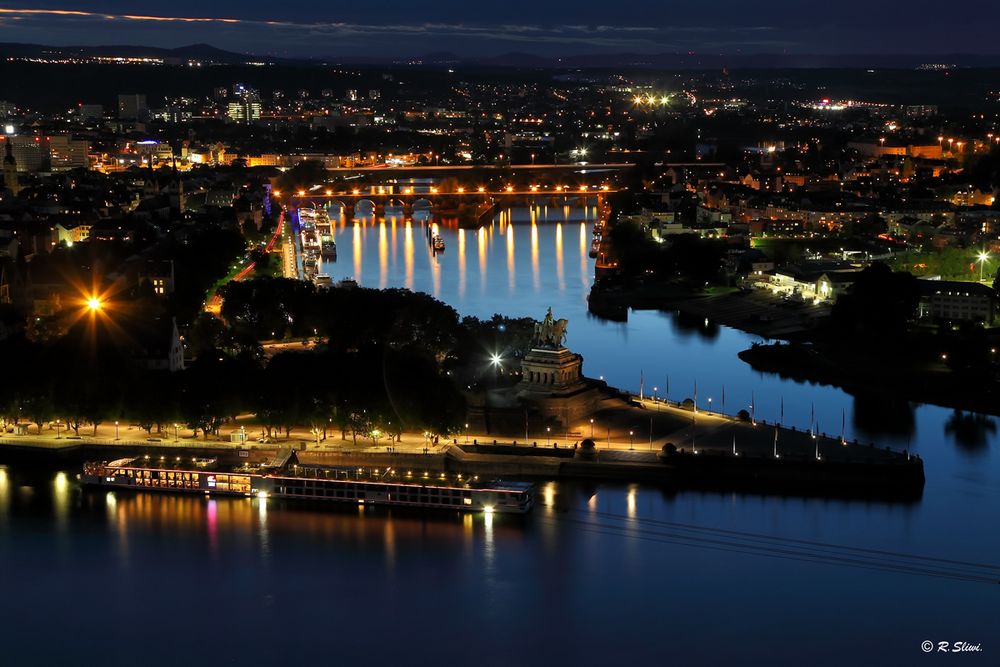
626,439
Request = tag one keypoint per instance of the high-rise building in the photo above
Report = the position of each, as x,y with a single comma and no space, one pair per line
245,109
352,95
132,107
91,111
30,153
65,152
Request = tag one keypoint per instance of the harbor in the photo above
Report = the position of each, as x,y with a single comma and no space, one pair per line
627,439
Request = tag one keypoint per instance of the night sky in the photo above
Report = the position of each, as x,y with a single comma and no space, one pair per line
394,28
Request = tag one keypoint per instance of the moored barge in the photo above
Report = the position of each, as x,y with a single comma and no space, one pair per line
284,477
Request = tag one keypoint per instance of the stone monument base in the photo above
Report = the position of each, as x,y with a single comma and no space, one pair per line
553,388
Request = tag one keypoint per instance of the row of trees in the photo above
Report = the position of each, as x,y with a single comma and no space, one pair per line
685,257
376,387
389,361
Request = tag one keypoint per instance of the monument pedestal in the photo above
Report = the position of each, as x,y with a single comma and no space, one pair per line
548,371
553,387
552,391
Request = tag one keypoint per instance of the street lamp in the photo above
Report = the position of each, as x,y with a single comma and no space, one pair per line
57,430
466,434
591,429
175,432
630,441
709,405
983,256
116,430
548,436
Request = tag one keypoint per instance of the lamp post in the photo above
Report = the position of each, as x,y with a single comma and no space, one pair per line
983,256
57,430
116,430
630,441
175,432
548,435
466,434
592,429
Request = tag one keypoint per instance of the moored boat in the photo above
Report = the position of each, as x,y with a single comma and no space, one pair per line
284,477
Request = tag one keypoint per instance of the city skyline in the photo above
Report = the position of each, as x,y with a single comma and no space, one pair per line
403,30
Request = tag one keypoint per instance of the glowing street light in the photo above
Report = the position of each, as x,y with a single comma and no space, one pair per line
94,304
983,256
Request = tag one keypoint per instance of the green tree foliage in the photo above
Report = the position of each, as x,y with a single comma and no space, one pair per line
684,257
393,362
202,258
304,175
879,307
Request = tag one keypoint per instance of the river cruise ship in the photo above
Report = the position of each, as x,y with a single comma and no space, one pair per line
284,477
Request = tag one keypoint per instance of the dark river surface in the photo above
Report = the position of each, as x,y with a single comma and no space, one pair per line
601,574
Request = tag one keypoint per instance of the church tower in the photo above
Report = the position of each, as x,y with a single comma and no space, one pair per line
10,170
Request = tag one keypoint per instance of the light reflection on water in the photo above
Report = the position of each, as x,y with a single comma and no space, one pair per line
586,547
593,560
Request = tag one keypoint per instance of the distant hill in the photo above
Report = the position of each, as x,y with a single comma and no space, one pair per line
679,61
667,61
204,52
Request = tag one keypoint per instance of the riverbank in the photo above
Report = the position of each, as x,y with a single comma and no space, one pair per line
760,313
647,441
937,386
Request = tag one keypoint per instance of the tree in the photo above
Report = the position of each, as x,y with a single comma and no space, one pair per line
879,307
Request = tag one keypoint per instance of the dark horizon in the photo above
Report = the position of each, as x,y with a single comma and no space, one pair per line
624,59
397,30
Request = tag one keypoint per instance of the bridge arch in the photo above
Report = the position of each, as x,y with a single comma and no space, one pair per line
341,206
364,208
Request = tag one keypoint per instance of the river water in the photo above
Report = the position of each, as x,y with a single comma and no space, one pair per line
598,574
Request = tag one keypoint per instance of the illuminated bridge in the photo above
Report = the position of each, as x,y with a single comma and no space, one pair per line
475,194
